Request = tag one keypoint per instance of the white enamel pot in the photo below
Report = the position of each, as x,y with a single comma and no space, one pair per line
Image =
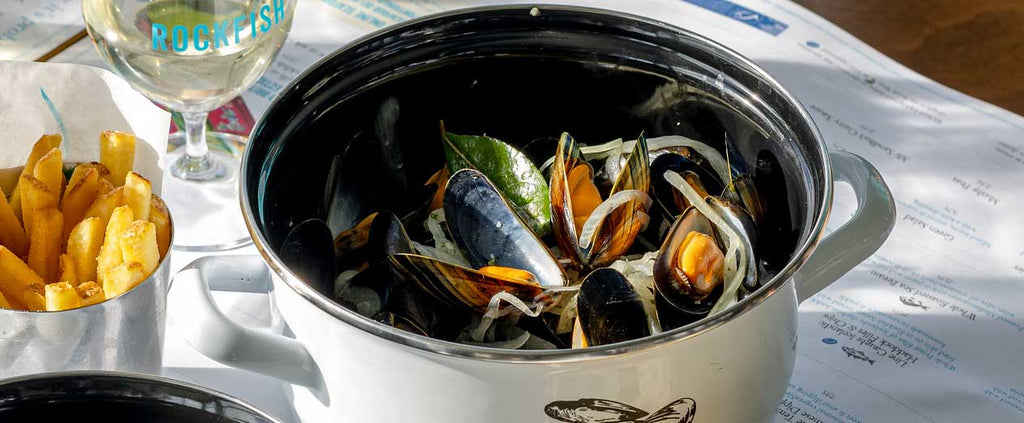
525,76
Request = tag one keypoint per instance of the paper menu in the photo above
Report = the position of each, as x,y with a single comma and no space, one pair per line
927,329
30,28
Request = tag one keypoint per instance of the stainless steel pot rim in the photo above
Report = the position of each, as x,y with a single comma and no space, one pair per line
454,349
133,377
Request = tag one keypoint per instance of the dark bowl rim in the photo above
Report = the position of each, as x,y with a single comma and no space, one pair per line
453,349
135,377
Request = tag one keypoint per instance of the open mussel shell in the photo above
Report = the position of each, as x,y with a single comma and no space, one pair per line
744,192
379,287
740,222
609,309
777,232
590,410
666,197
567,157
348,196
672,317
350,245
612,227
670,279
308,251
484,224
460,287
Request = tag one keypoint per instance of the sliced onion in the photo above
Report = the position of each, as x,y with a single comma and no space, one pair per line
602,211
444,249
713,156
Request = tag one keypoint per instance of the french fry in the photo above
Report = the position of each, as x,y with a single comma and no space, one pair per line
22,287
66,270
4,303
11,233
41,147
117,152
138,244
105,186
105,204
137,195
160,217
62,296
84,246
44,247
34,196
50,171
82,169
110,251
121,278
80,194
90,293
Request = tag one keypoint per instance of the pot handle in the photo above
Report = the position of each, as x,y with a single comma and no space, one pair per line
216,336
858,238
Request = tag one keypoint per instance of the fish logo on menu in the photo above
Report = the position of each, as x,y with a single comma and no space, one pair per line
592,410
913,302
858,354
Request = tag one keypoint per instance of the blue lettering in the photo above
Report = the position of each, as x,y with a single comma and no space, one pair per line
159,35
196,37
264,13
278,11
238,27
179,33
220,36
252,23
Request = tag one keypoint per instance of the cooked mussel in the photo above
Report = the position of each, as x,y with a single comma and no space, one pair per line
742,191
737,259
740,222
460,287
609,310
308,251
378,287
690,264
669,202
592,231
486,227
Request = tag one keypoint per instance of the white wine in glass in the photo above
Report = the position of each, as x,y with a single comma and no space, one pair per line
192,56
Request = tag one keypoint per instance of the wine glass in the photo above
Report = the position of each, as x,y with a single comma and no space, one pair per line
193,56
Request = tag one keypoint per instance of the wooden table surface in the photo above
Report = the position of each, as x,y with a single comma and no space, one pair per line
973,46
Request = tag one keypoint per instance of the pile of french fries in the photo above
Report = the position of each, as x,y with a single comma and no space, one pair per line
69,242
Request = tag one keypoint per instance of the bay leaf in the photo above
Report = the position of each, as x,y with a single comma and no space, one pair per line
508,169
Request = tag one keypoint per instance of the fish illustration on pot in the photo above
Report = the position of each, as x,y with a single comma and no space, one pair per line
858,354
913,302
593,410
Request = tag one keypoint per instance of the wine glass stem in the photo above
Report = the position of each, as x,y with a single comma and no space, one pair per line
197,164
195,134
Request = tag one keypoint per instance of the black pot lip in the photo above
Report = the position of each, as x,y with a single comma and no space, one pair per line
478,353
139,379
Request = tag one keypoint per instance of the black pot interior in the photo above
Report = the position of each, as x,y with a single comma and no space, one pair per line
116,399
523,79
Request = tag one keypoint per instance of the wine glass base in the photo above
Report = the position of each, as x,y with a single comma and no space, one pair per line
198,169
209,206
